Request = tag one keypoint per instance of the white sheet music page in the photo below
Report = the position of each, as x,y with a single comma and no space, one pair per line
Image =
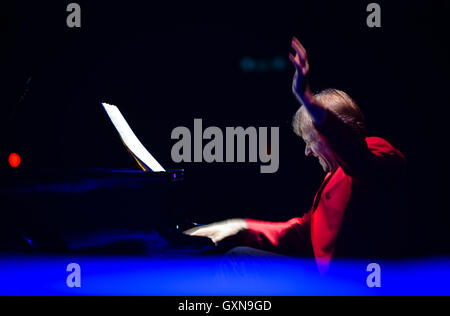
129,138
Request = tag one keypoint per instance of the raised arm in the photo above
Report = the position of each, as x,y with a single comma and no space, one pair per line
350,147
300,84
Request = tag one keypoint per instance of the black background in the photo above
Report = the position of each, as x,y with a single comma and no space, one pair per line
165,65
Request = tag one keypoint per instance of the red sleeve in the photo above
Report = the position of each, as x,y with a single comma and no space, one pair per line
291,237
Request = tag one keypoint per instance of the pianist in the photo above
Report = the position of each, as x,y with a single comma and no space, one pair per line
358,210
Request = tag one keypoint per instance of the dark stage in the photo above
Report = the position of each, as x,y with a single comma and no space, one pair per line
72,190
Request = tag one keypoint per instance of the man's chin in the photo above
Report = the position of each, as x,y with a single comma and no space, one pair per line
324,167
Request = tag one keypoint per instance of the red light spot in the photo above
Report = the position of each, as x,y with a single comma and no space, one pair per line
14,160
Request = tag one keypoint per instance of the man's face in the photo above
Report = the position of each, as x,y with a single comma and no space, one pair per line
316,146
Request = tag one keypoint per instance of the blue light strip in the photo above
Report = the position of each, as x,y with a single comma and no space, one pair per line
218,276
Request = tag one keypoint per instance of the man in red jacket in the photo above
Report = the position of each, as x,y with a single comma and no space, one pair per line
358,208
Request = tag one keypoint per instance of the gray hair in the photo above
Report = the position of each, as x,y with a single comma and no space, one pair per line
338,102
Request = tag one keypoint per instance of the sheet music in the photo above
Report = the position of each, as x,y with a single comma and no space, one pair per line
130,140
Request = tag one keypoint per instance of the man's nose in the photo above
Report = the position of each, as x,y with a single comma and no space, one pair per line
308,151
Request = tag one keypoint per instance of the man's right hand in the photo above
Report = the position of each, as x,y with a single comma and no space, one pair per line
219,231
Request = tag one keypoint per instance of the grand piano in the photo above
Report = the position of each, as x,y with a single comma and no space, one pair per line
96,211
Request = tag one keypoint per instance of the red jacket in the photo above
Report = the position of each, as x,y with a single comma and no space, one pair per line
348,212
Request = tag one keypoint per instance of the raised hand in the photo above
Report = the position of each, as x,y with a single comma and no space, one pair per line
300,84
